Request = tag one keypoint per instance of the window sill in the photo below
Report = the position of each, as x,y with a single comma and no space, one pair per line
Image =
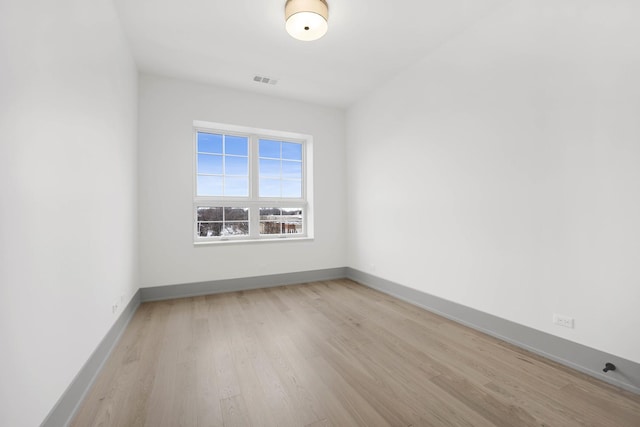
251,241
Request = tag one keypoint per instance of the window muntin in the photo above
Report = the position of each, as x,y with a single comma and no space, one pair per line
249,184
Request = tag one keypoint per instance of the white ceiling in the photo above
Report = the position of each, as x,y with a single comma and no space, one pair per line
229,42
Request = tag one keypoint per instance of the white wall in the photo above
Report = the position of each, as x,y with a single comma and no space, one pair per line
167,254
67,193
502,172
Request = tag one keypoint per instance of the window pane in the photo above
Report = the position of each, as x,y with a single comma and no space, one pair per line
269,187
291,151
268,213
209,214
236,165
209,185
235,229
236,186
212,222
270,221
236,214
270,168
291,221
270,227
236,145
209,229
292,189
292,227
209,143
291,212
268,148
280,221
208,163
291,170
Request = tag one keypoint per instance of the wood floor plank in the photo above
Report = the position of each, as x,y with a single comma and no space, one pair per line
234,412
332,353
243,351
164,394
483,403
271,327
226,376
309,374
209,411
320,423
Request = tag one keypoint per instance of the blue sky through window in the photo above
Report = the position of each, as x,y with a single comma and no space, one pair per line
222,165
269,187
236,186
269,148
291,189
209,185
280,169
210,164
236,165
237,145
270,168
291,151
291,170
209,143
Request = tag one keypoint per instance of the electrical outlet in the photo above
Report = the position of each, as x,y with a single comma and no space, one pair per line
561,320
114,308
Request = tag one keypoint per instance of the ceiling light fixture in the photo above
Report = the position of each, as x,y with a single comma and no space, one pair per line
306,19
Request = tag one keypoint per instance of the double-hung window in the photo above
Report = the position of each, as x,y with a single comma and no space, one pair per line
250,184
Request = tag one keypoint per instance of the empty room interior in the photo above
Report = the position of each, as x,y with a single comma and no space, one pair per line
320,213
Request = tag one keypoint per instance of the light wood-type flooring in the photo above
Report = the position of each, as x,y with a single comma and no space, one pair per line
332,353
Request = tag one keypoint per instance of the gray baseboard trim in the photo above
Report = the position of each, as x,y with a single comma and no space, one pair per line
576,356
158,293
66,407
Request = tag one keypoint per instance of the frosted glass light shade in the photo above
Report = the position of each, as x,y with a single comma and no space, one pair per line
306,19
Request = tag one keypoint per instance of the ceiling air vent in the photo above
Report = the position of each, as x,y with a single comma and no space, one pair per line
265,80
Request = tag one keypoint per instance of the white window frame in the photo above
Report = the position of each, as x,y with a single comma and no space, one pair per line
254,202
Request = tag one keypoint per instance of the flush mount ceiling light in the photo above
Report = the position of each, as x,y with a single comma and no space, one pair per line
306,19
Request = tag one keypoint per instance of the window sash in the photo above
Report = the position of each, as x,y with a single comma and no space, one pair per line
254,176
254,220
